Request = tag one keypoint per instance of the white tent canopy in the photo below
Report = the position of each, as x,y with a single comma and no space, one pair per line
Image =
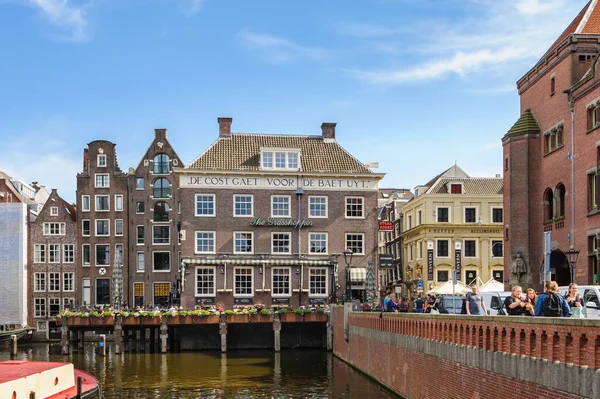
492,286
447,289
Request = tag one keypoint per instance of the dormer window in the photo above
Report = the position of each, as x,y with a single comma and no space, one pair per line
280,159
456,188
101,162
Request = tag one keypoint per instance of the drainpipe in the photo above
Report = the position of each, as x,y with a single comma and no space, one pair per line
299,194
572,107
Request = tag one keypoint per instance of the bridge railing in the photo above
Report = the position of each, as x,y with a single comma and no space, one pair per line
567,340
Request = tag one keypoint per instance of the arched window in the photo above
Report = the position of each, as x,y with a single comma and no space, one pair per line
560,200
161,188
161,212
548,205
161,164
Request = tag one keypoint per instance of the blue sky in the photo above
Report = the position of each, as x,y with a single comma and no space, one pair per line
413,84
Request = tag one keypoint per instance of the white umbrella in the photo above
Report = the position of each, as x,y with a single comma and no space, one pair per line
448,288
492,286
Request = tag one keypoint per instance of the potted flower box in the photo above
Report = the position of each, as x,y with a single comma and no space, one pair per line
290,317
207,319
315,317
179,319
130,320
78,321
261,318
150,320
237,317
102,320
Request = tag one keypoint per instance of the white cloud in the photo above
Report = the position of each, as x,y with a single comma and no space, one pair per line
533,7
490,146
191,7
66,16
278,49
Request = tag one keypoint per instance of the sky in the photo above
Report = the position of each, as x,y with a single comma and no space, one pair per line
415,85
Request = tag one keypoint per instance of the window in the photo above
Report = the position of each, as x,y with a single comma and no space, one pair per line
85,203
54,229
470,215
243,281
317,282
161,294
68,281
161,164
355,243
592,184
280,206
102,255
455,188
317,243
553,138
354,207
560,200
102,291
470,249
160,235
552,85
118,227
267,160
39,282
205,242
548,205
54,306
161,261
140,235
85,227
68,253
85,254
497,215
68,303
119,256
102,203
162,188
102,180
86,292
139,183
205,281
442,276
317,207
497,249
161,212
53,253
139,207
442,215
53,211
470,277
118,202
593,117
54,282
42,326
498,275
102,227
442,248
280,243
138,294
242,242
205,205
39,253
101,161
281,277
280,159
141,262
242,205
40,307
419,218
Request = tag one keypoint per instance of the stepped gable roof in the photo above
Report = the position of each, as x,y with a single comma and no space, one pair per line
526,123
471,185
241,152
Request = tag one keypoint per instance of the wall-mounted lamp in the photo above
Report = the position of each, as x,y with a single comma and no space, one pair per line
348,256
222,269
298,270
260,269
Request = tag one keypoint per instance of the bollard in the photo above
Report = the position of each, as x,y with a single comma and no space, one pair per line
13,345
102,345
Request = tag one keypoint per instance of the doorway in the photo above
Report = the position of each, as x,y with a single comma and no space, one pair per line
559,268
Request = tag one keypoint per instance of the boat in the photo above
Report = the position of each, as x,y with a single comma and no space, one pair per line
46,380
23,334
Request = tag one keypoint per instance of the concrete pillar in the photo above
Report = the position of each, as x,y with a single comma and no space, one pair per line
277,333
223,332
64,337
80,340
164,334
102,348
118,335
13,345
330,331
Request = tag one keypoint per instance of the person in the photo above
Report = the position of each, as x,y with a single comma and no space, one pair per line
572,296
386,303
474,302
419,304
411,305
550,303
402,305
530,301
515,304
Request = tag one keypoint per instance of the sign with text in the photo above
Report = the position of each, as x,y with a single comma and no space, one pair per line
205,301
386,225
430,261
386,261
243,301
281,222
457,261
276,182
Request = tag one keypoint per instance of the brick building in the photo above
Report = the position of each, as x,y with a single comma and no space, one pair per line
551,161
153,220
53,252
102,214
266,219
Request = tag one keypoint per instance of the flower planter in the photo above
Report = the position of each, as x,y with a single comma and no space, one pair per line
130,321
237,318
315,317
77,321
58,321
261,318
179,320
150,320
291,318
211,319
102,321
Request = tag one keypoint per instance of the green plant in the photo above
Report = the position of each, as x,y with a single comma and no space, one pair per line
281,311
252,311
123,313
184,313
94,314
302,311
320,310
107,313
230,312
266,312
69,314
141,313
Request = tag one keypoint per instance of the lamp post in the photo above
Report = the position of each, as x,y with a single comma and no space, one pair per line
348,259
572,255
334,270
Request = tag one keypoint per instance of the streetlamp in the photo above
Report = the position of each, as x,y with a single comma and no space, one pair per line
572,255
348,259
334,271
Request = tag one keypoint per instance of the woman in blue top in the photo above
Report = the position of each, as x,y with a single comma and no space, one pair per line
551,289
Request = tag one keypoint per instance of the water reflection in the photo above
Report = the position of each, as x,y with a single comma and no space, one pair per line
212,375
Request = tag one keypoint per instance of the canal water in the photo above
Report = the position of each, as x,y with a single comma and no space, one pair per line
240,374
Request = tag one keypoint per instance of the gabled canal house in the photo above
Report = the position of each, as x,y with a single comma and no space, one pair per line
266,219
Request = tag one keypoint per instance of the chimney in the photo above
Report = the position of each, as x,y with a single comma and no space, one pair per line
328,129
160,134
85,159
225,127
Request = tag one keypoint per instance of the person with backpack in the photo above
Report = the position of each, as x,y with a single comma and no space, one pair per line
551,303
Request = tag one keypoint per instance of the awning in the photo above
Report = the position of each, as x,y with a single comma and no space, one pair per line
358,274
250,262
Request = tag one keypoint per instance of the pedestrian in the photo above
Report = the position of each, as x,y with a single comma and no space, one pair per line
515,304
530,299
551,303
574,300
402,305
419,303
474,303
411,305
